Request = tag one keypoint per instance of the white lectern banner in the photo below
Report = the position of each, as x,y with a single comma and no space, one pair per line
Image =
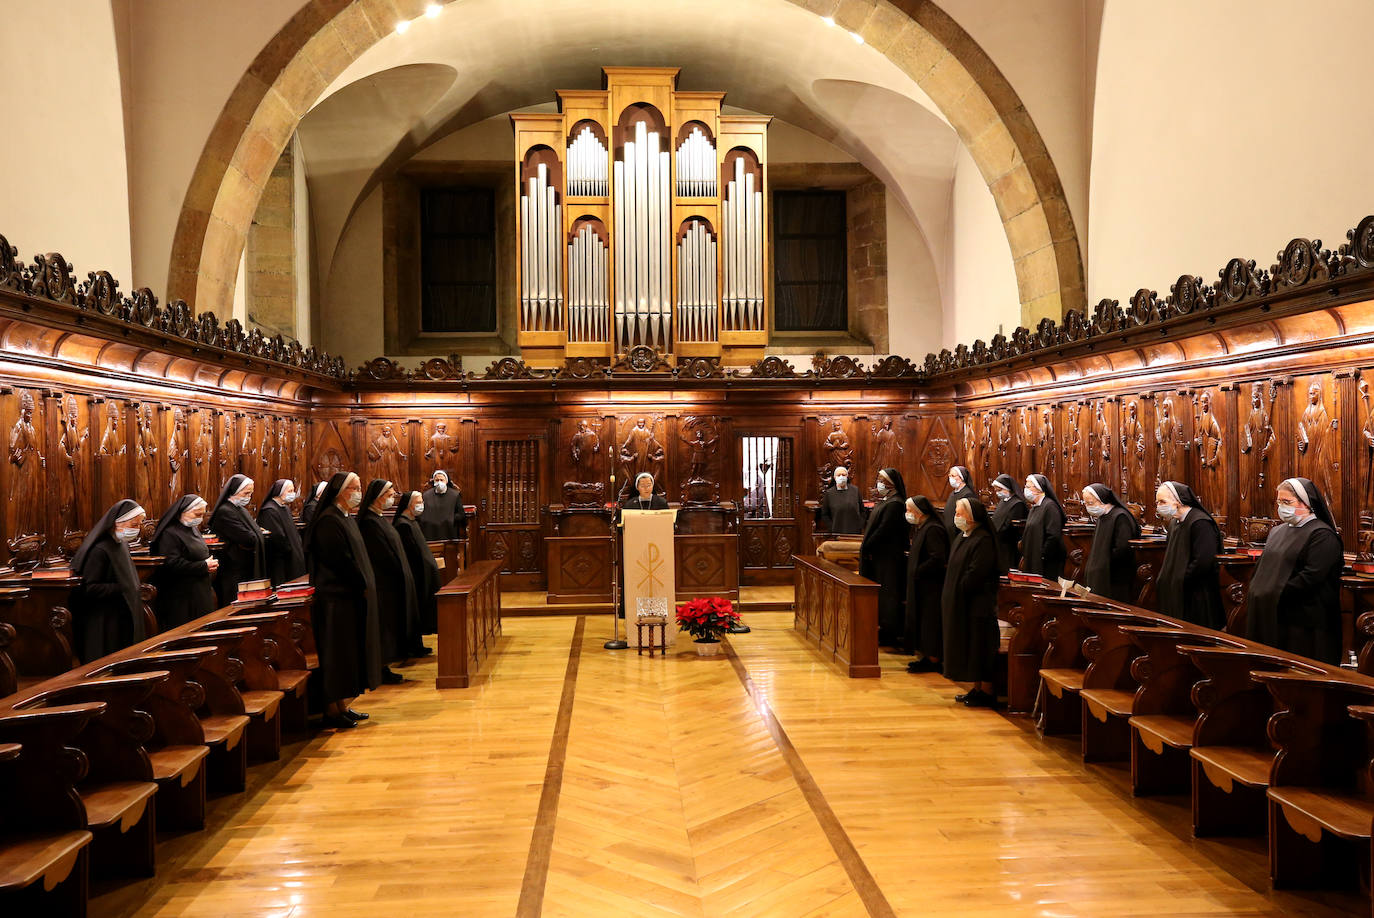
649,572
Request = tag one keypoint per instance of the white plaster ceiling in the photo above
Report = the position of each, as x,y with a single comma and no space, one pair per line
481,58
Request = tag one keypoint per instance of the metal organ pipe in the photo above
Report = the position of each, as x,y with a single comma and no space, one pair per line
696,302
587,165
743,230
696,163
541,261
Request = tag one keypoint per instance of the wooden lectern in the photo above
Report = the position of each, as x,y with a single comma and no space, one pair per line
647,567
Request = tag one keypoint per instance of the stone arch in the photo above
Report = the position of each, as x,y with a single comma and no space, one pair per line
325,36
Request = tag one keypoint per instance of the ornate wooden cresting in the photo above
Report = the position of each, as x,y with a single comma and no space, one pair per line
642,223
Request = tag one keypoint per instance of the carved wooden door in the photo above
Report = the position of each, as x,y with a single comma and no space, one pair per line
768,509
508,509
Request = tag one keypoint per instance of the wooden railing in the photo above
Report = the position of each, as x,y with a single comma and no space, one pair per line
837,610
469,624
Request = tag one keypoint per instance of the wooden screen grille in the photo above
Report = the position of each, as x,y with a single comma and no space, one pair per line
767,477
512,478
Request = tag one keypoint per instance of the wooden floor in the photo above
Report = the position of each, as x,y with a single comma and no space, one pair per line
580,781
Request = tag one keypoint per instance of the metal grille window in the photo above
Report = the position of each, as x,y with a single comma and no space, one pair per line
767,477
458,260
512,494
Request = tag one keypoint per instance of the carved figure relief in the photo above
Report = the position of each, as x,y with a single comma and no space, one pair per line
26,481
1208,441
1315,438
641,452
970,441
1101,442
1004,441
72,443
1044,444
839,451
887,452
1025,444
1073,450
1169,436
248,450
384,456
145,451
702,485
111,441
1133,452
586,488
985,443
1367,440
441,450
177,455
226,452
201,449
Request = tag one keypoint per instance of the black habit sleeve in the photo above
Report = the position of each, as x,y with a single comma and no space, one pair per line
936,551
1202,560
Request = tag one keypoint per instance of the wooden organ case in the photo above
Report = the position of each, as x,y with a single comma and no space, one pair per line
642,223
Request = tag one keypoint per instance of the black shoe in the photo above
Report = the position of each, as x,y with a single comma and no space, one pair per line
962,699
338,722
392,678
977,699
421,651
923,666
356,715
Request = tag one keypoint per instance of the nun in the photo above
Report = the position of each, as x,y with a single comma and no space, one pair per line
344,611
1294,599
925,579
968,605
960,486
646,498
1010,510
444,514
1042,541
842,511
311,503
1187,585
285,551
882,555
241,558
424,570
1110,568
107,606
396,616
183,579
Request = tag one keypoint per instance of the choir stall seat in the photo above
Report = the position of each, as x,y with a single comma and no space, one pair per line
252,672
1022,606
177,748
1321,803
221,712
44,843
1231,753
1163,714
1061,671
1109,687
118,791
283,651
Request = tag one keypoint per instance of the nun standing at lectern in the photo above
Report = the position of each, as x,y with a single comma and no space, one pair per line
1042,541
242,557
882,555
107,606
424,570
285,552
344,612
1294,599
1110,568
645,497
183,579
396,615
960,487
1187,584
1010,509
444,512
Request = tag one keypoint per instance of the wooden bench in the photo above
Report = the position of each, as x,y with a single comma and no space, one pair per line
1321,804
1062,669
255,677
222,716
1163,712
469,624
1231,753
44,843
1109,687
1022,606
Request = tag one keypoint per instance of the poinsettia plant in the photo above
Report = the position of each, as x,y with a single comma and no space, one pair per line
706,619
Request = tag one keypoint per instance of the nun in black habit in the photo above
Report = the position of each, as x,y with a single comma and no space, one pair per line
397,619
882,555
1042,541
285,551
241,558
842,510
1187,585
925,579
1010,509
968,605
312,503
424,570
344,611
107,606
183,579
960,486
1294,599
1110,568
444,513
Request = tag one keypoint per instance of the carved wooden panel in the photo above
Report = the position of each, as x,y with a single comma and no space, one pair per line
1100,418
884,434
579,568
1074,449
640,440
442,449
147,449
1210,442
387,456
25,486
72,466
707,565
331,453
699,459
837,447
1316,436
937,454
112,454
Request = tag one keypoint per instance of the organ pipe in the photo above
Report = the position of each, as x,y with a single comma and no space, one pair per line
743,241
588,302
541,267
643,209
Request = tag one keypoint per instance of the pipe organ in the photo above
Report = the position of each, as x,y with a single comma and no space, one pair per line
642,222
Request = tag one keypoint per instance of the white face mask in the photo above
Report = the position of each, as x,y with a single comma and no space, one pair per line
1095,509
911,518
193,521
288,497
962,524
1166,511
440,487
355,500
841,480
882,487
240,500
128,536
389,502
1002,494
956,482
1288,513
419,508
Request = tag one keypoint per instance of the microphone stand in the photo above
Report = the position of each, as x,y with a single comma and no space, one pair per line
615,643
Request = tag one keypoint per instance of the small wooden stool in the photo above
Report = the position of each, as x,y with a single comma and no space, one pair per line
653,620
